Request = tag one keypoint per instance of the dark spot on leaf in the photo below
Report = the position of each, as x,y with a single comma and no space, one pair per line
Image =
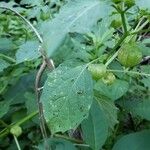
80,92
84,115
81,108
72,80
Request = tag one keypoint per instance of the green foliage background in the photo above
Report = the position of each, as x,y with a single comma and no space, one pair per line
111,112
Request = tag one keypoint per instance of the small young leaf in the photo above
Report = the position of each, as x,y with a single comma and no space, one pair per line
113,91
67,97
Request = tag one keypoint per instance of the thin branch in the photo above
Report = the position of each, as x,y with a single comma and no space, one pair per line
140,31
68,138
130,72
3,123
124,21
81,145
5,131
37,82
115,48
40,107
7,58
17,143
23,18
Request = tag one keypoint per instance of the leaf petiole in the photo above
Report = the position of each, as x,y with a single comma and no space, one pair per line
130,72
17,142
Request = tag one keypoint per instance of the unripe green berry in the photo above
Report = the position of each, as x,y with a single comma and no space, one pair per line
97,70
16,130
130,55
109,78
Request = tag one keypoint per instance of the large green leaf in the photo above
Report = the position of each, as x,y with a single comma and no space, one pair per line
67,97
28,51
114,91
95,127
75,16
134,141
143,4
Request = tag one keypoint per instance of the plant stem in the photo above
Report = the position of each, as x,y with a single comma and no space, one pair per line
3,123
23,18
5,131
81,145
68,138
30,116
124,21
140,31
137,29
7,58
37,83
130,72
119,42
142,26
115,48
17,143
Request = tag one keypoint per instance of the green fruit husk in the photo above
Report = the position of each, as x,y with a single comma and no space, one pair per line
109,78
97,70
16,131
130,55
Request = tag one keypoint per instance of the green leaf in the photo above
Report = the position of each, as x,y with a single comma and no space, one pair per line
145,50
73,17
113,91
143,4
3,64
23,85
28,51
5,45
4,108
32,3
30,103
146,82
145,69
134,141
138,107
109,109
67,97
58,144
95,127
